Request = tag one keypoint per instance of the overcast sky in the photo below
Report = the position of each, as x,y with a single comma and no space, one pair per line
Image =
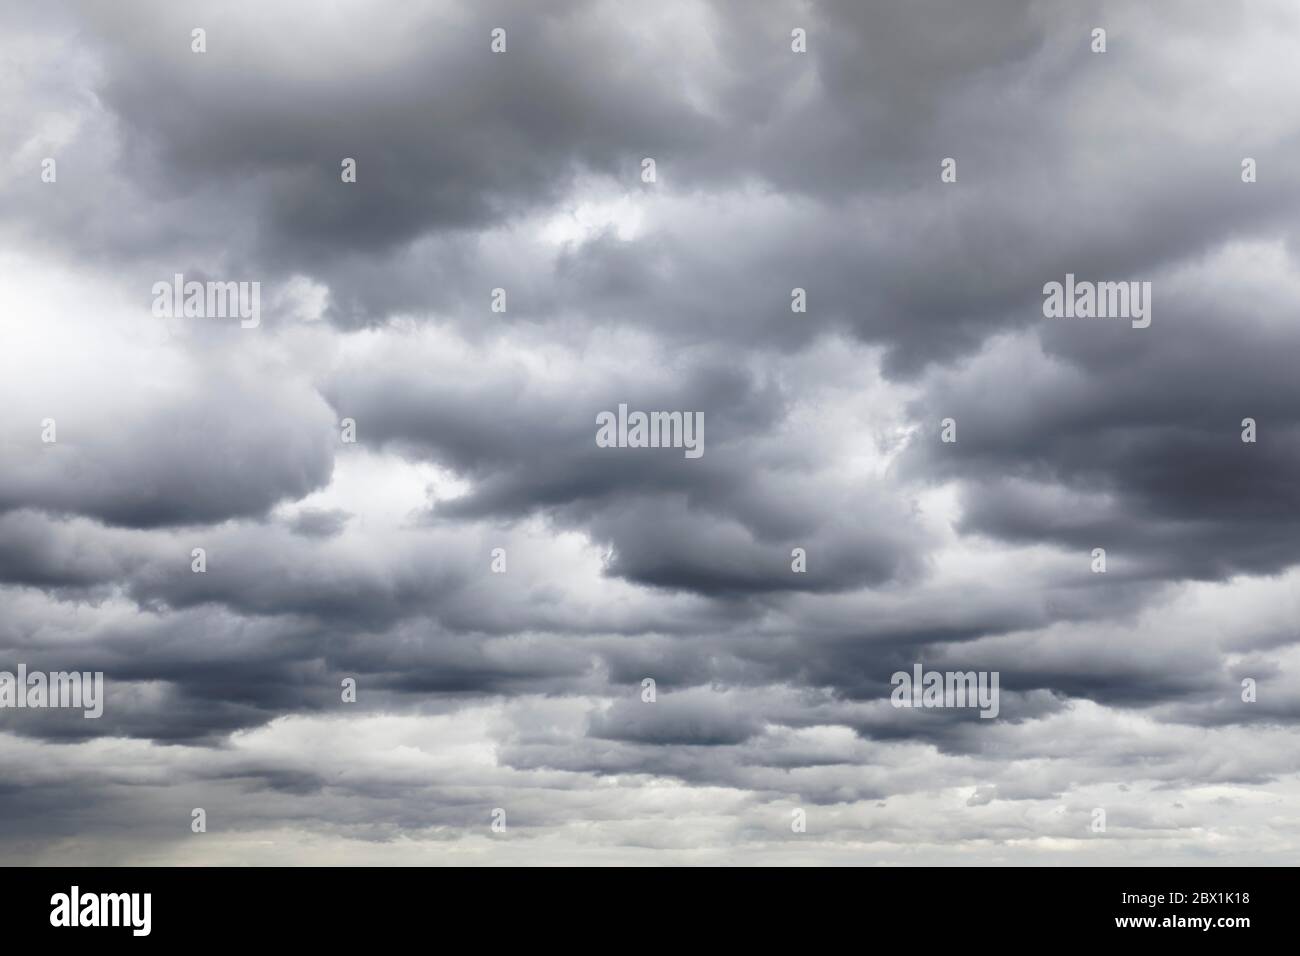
774,170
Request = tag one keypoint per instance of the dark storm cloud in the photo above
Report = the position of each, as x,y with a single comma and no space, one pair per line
1132,439
456,141
726,522
445,137
696,718
222,445
476,430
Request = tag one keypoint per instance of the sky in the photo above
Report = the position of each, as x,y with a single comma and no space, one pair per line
496,586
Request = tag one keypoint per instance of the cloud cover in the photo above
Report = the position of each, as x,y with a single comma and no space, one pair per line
475,428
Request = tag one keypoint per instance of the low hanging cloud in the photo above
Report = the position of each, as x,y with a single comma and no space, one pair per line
361,573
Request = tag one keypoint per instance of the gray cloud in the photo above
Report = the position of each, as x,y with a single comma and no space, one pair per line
497,585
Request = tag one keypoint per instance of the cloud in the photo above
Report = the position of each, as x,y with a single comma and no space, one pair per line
498,585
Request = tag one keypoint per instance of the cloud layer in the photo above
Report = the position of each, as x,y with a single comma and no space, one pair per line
376,560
